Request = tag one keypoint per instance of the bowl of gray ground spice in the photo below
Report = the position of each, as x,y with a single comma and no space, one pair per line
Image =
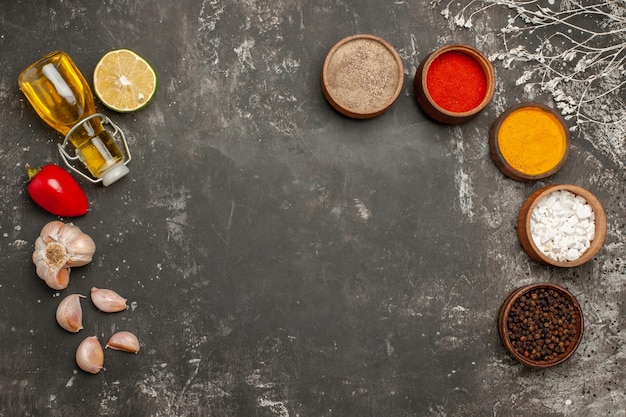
541,325
362,76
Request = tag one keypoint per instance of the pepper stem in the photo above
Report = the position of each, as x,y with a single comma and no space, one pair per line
31,171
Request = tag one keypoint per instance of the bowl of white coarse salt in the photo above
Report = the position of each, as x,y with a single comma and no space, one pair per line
562,225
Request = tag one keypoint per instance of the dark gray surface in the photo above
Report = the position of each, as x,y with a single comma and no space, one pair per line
281,259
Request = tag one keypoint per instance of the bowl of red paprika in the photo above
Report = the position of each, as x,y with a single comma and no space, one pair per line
529,141
454,83
541,325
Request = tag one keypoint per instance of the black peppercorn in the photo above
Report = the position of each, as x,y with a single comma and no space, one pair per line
541,324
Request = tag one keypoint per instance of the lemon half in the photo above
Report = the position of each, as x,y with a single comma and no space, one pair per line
124,81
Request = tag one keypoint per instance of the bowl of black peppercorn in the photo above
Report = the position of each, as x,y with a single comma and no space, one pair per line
541,325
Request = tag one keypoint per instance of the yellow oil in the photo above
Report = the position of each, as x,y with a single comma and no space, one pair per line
62,98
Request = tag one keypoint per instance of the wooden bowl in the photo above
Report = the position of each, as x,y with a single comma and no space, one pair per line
536,348
362,76
525,235
538,112
430,105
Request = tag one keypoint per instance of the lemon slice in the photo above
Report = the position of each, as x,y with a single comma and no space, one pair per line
124,81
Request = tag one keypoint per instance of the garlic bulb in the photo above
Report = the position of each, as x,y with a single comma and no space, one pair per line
70,314
125,341
59,247
90,355
108,301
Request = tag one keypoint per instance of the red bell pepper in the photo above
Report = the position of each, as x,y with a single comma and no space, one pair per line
56,191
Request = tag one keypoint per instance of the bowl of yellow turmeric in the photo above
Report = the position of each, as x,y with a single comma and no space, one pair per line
529,141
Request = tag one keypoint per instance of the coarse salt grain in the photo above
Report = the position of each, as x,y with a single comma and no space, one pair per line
562,225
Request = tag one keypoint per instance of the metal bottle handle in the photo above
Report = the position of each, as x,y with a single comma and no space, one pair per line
67,157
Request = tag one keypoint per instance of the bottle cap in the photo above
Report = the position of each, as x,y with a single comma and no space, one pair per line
114,173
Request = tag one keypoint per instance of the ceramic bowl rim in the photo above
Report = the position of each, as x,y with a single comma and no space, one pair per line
525,234
505,309
352,112
499,160
485,65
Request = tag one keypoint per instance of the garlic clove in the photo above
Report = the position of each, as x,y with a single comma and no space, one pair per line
59,247
70,314
125,341
50,232
108,301
62,279
56,279
80,246
90,355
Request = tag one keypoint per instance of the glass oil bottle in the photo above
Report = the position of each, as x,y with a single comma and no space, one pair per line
62,98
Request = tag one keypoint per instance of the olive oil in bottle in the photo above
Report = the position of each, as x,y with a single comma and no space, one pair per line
62,98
